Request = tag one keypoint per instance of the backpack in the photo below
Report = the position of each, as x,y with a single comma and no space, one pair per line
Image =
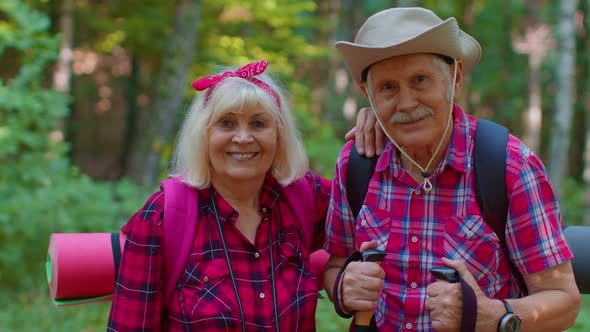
489,170
181,213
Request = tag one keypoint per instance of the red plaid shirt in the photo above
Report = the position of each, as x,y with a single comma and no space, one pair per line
205,298
417,228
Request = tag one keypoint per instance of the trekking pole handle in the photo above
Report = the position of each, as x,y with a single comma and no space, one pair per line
362,319
445,273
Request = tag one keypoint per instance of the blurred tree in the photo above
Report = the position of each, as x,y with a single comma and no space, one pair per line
536,40
62,72
158,129
585,98
562,119
327,19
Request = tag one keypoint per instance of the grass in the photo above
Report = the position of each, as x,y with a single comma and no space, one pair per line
34,311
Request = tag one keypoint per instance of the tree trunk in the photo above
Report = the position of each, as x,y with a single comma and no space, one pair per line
560,137
586,99
327,13
62,72
353,17
145,163
535,42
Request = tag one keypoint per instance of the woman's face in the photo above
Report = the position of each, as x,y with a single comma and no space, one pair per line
242,144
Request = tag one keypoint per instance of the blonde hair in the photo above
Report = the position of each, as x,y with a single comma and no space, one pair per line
190,160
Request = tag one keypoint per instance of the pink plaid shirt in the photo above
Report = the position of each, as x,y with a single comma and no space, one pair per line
417,228
205,299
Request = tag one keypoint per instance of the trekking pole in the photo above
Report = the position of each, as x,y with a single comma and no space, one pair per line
469,312
362,319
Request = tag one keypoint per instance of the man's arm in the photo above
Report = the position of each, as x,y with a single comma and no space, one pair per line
361,283
554,300
552,305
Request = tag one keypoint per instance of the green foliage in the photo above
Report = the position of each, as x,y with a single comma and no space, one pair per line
33,311
572,204
243,36
41,192
131,24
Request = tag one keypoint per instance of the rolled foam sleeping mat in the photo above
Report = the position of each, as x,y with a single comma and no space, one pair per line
82,267
578,239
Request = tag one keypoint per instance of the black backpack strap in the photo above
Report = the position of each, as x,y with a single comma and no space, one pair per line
491,140
358,174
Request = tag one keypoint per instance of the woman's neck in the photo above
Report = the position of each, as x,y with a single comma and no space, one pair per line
240,195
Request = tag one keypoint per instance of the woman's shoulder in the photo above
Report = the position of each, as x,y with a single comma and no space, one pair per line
152,212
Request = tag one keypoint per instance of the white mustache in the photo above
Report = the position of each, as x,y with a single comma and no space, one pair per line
416,114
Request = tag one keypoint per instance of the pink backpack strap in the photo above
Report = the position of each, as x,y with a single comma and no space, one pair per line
180,219
300,197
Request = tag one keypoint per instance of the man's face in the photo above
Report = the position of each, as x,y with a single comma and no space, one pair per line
412,96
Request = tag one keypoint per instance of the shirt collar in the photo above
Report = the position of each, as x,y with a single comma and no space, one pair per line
456,155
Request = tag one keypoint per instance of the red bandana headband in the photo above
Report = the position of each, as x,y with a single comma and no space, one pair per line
246,72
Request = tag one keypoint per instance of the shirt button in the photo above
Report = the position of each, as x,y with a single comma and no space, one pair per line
364,222
409,325
469,233
256,255
261,295
417,192
414,239
206,279
413,285
264,209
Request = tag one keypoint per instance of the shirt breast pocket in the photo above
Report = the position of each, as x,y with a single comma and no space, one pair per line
373,224
207,290
471,240
291,250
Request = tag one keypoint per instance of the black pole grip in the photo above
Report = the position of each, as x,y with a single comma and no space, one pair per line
373,255
445,273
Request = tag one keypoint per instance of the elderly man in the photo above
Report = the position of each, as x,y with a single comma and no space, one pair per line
421,207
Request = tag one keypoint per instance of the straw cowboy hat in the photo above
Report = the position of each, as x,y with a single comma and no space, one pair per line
401,31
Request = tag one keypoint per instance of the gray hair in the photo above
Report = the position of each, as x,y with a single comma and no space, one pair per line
190,160
446,68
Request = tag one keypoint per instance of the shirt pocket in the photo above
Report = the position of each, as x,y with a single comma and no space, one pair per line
207,290
373,224
471,240
296,283
291,250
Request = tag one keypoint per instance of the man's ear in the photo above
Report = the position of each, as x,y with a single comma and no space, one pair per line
459,77
363,89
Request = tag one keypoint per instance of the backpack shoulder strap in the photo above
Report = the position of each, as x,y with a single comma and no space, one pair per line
300,198
180,216
490,174
358,174
489,162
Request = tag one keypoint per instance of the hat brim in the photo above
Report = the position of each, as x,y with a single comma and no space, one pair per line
438,40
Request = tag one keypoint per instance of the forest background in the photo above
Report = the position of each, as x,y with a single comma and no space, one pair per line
91,94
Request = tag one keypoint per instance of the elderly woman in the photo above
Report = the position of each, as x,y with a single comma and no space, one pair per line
260,213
